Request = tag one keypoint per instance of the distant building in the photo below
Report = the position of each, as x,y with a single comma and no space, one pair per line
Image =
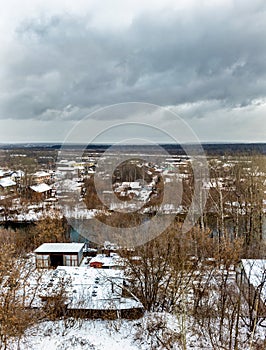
41,191
7,183
59,254
17,175
41,176
5,173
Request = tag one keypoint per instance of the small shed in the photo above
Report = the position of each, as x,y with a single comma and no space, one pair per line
59,254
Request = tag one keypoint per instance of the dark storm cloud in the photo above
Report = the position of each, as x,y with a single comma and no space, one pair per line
62,67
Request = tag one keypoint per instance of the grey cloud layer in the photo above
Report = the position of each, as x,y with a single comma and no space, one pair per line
62,67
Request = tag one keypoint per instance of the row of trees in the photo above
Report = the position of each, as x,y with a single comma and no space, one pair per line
235,200
193,277
20,283
235,197
51,229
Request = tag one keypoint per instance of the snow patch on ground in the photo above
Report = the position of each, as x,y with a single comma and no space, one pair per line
80,335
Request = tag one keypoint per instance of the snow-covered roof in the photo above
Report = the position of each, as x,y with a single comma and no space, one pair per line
109,245
59,248
66,168
110,261
41,174
212,184
18,174
7,182
133,185
41,188
68,185
93,289
4,172
255,270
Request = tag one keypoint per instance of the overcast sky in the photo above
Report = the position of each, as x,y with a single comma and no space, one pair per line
61,60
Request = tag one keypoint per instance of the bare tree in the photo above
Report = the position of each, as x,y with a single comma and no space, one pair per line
49,230
15,317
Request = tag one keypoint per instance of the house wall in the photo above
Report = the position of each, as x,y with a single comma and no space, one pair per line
42,260
40,195
80,256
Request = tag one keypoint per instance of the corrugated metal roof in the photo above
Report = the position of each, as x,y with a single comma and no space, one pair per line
59,248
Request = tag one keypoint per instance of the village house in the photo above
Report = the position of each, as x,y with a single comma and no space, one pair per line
90,292
7,185
59,254
5,173
41,191
41,176
68,169
17,175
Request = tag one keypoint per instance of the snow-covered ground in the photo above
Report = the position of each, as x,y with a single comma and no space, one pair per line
153,331
81,335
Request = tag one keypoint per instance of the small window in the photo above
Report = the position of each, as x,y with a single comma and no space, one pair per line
42,261
71,260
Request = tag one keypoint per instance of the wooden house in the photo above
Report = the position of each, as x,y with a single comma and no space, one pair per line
41,176
41,191
7,185
59,254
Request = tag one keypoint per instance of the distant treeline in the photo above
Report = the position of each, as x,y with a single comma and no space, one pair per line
209,148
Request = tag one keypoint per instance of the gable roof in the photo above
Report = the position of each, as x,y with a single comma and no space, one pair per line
41,188
7,182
